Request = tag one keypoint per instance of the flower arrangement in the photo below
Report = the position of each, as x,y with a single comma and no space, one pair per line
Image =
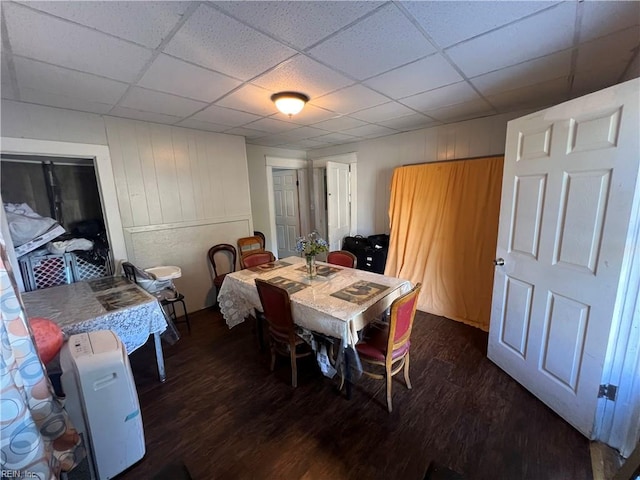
311,245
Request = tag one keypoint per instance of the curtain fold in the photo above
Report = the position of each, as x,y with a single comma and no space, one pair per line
37,438
444,229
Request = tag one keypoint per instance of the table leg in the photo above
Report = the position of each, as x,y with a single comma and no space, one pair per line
162,376
347,374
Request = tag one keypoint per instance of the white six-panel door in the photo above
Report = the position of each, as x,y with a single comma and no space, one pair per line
569,179
285,191
338,204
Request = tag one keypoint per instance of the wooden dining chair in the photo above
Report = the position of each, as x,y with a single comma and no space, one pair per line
283,338
231,254
389,346
258,258
262,238
342,258
249,245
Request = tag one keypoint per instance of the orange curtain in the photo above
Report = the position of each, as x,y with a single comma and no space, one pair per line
444,229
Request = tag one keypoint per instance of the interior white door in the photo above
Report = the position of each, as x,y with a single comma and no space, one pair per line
569,180
285,191
338,204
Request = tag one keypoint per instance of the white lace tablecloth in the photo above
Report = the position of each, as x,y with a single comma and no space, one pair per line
110,303
313,307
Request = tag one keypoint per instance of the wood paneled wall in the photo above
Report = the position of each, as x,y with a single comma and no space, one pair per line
167,175
180,191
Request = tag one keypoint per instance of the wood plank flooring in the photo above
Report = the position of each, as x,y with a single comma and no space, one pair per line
226,416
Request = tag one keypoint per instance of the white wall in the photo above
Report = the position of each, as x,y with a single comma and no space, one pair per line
377,159
258,184
179,191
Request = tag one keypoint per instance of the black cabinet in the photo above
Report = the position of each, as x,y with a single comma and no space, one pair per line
371,251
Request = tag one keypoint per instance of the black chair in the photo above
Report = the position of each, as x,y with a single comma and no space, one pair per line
167,297
223,248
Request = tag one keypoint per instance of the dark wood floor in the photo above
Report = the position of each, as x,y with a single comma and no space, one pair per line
226,416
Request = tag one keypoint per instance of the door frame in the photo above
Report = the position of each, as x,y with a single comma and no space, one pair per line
303,193
618,423
104,172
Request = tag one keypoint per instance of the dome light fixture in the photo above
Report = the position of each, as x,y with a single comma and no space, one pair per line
289,103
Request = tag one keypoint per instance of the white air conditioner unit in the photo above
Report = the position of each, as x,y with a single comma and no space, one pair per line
102,401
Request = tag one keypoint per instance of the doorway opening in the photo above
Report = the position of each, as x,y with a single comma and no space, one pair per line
55,218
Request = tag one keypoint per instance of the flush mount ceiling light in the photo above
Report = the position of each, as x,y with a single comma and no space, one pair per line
289,103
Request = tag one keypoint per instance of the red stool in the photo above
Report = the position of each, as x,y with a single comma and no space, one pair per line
48,337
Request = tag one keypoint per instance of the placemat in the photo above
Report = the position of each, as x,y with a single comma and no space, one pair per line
290,286
321,270
360,292
268,267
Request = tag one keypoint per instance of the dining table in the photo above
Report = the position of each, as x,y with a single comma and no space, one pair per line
338,302
108,303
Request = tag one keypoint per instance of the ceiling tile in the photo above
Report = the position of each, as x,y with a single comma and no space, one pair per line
615,50
250,98
270,141
546,93
156,102
513,44
524,74
146,23
339,124
63,101
409,122
40,36
57,80
449,22
585,83
271,125
245,132
145,116
350,99
440,97
370,131
302,133
216,41
420,76
310,143
300,23
200,125
304,75
382,112
6,84
335,138
362,52
602,18
171,75
461,111
224,116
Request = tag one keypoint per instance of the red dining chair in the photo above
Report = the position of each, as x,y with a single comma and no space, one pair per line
283,338
249,245
389,346
258,258
222,249
342,258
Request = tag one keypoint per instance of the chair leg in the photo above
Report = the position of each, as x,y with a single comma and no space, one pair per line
186,315
406,371
294,368
389,378
273,357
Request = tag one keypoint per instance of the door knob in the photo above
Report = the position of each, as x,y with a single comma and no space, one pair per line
498,262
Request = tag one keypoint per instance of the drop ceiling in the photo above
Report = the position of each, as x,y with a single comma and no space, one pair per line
370,68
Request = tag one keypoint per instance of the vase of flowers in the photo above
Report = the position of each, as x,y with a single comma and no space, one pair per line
309,247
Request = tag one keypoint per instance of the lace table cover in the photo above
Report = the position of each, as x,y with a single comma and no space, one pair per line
316,308
111,303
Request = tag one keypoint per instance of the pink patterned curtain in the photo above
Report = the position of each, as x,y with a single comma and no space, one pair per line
36,435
